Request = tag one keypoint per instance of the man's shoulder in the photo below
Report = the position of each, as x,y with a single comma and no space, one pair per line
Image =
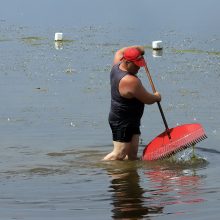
115,65
130,82
131,78
128,85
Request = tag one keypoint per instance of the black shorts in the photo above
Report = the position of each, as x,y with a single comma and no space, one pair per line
123,133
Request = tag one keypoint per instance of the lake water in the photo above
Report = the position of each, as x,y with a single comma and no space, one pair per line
55,100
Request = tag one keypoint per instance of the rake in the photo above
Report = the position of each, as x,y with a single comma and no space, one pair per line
172,140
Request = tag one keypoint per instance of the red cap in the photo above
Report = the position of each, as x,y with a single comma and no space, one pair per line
134,55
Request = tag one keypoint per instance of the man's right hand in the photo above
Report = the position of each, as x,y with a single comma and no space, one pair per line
158,96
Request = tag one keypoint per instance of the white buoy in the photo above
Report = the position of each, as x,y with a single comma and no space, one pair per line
58,37
157,45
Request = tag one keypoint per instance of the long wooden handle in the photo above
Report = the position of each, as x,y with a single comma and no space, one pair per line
158,103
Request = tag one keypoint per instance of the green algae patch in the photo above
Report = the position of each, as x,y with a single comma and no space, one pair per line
147,46
32,40
2,39
195,51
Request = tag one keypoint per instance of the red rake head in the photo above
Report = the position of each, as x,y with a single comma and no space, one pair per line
182,137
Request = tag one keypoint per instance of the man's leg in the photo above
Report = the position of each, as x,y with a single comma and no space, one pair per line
120,150
133,149
123,150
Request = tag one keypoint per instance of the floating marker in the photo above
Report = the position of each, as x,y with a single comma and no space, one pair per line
157,45
58,37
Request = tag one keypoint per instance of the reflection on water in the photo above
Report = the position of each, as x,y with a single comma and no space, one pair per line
128,196
157,53
136,190
175,186
58,45
163,186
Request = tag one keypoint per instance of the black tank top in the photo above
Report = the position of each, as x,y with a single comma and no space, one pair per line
124,111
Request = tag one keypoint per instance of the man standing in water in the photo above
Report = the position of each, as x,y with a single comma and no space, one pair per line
128,97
